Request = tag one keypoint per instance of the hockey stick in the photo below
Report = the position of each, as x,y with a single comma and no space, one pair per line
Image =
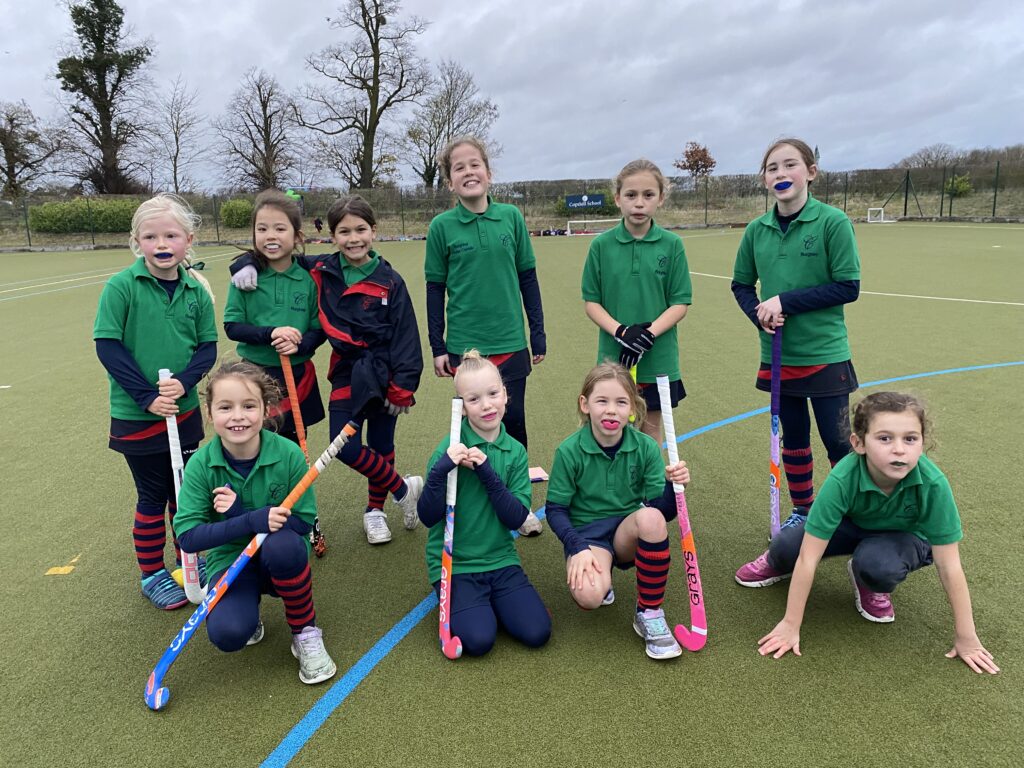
450,646
316,535
194,591
692,639
775,473
156,695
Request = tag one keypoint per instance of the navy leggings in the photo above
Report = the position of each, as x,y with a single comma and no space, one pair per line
515,410
380,434
232,622
482,601
881,559
831,415
153,476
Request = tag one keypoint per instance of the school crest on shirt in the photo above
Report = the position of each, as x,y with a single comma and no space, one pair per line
299,301
507,242
662,269
192,308
277,492
635,474
810,246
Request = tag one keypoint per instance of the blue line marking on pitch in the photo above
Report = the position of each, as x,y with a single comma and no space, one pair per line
303,731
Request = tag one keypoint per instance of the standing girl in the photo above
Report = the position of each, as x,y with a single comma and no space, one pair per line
889,507
636,288
805,256
280,316
489,586
230,493
376,362
608,502
155,314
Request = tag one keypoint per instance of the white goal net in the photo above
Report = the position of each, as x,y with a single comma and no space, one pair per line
877,216
589,226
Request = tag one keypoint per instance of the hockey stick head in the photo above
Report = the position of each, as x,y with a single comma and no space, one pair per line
451,648
156,696
691,639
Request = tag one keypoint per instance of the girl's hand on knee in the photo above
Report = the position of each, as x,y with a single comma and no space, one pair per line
582,568
277,517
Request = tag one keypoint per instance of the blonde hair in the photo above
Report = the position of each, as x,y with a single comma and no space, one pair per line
474,362
609,371
444,159
641,165
167,204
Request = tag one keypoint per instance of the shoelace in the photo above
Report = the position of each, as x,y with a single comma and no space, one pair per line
657,627
310,643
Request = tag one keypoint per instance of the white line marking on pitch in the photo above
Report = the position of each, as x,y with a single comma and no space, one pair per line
901,295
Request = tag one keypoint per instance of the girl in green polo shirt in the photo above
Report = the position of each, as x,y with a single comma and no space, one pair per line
481,275
636,289
156,314
489,587
608,503
280,316
890,508
231,491
804,254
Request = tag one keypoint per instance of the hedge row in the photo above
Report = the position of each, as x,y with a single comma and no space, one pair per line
83,215
99,214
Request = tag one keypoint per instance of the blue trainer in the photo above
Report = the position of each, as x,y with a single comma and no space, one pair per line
796,518
163,591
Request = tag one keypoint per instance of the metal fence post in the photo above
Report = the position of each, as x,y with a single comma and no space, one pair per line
995,191
952,177
401,208
846,185
216,218
92,225
906,192
705,201
24,210
942,192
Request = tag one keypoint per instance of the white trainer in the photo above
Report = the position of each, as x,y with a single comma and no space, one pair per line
257,635
532,526
413,491
315,664
653,628
375,523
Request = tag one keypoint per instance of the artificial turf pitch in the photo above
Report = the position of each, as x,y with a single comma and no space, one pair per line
78,645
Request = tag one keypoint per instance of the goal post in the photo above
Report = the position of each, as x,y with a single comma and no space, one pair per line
877,216
590,226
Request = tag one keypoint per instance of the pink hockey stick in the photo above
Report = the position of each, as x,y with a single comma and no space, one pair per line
692,639
451,646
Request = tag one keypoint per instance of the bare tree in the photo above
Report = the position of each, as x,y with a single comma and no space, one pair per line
370,75
454,108
932,156
178,136
30,150
104,84
343,155
257,133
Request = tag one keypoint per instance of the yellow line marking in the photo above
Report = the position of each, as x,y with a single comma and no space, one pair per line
63,570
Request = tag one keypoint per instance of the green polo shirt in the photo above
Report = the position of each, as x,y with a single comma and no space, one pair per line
481,543
635,281
595,487
353,274
278,469
921,503
158,332
817,248
281,299
479,257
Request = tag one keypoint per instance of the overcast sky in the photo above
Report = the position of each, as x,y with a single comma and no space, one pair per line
584,87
